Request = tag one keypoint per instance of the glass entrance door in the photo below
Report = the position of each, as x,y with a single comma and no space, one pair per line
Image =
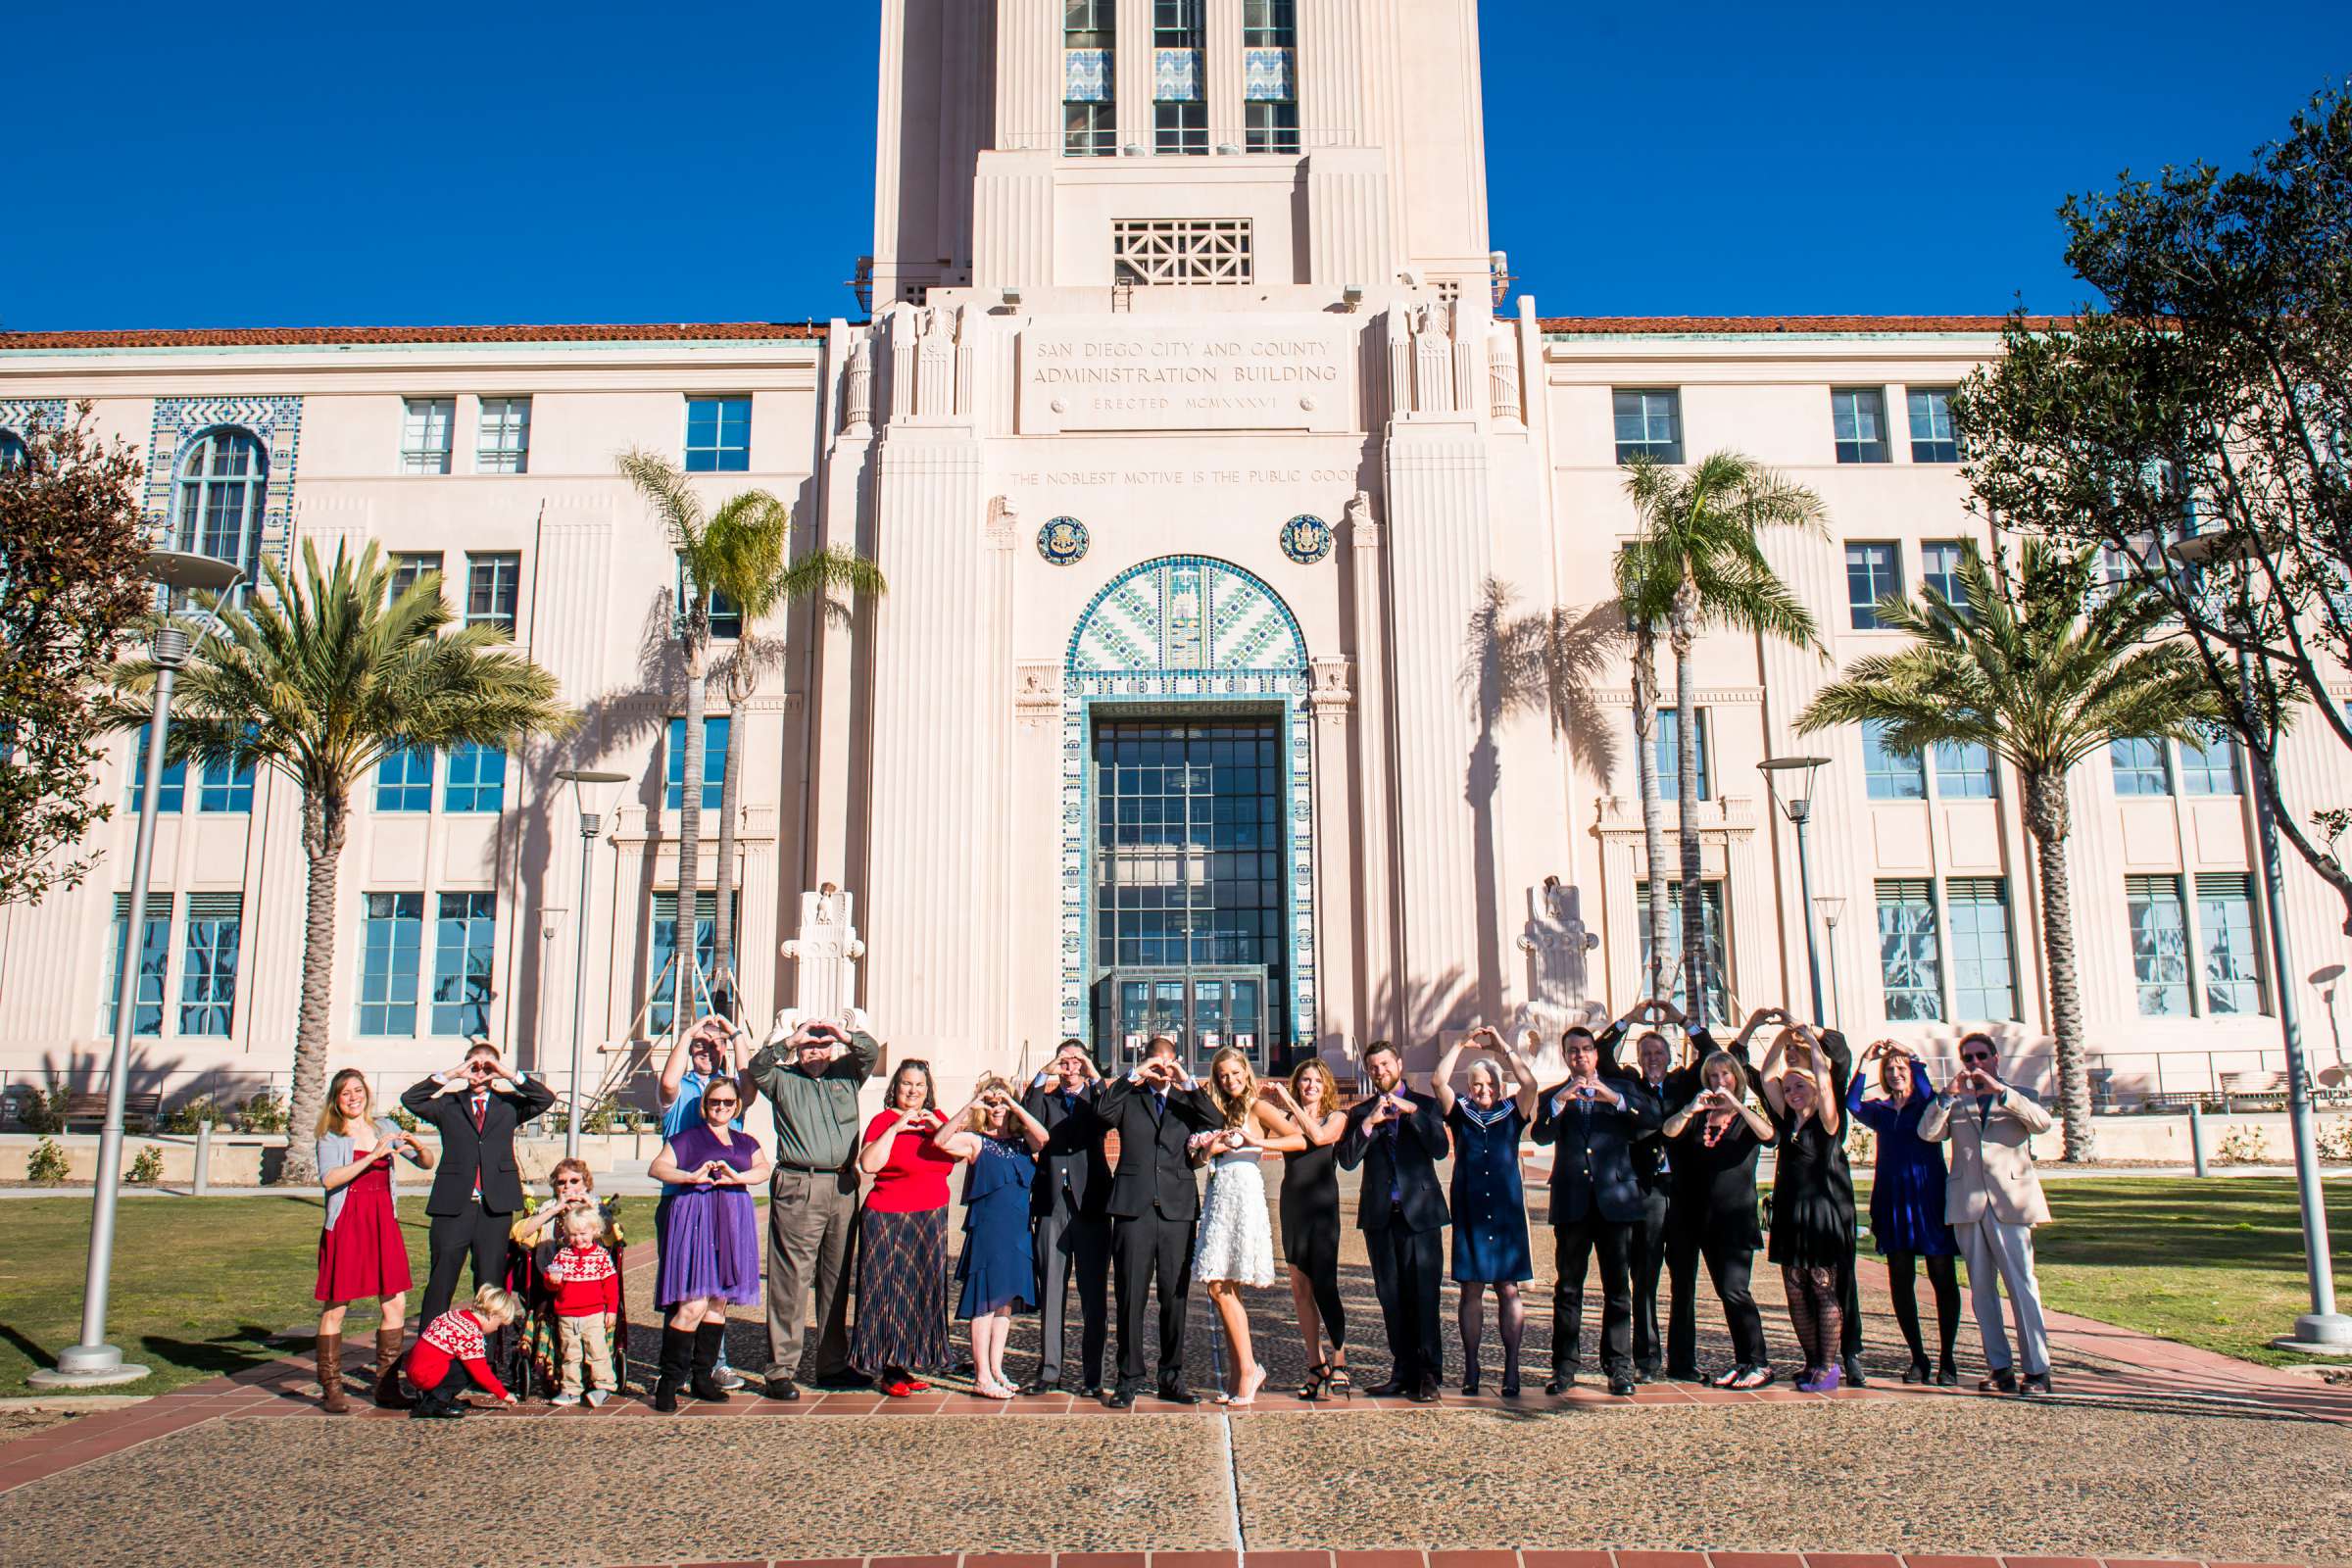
1203,1011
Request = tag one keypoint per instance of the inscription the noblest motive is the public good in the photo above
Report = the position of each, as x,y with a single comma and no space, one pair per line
1175,380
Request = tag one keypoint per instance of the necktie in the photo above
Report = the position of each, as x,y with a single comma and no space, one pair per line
481,1107
1160,1103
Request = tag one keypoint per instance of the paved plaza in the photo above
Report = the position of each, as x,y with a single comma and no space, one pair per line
2150,1451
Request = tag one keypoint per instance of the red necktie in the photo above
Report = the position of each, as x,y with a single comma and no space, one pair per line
481,1108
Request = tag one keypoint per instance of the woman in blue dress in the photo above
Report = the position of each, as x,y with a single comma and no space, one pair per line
1906,1202
998,1141
1490,1208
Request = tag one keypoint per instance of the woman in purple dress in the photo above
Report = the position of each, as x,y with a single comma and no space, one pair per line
709,1248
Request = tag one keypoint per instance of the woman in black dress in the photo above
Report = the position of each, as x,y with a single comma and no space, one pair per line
1812,1196
1712,1143
1310,1221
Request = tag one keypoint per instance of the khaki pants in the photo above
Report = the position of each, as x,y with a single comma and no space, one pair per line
585,1337
811,1216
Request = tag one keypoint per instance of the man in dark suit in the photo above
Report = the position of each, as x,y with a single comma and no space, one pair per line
1069,1212
1154,1200
1672,1088
1592,1121
476,1189
1398,1139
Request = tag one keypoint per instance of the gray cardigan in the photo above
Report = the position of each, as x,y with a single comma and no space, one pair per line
336,1150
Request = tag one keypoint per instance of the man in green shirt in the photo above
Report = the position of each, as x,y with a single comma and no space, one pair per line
810,1071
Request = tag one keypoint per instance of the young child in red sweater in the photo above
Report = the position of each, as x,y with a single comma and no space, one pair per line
452,1351
587,1291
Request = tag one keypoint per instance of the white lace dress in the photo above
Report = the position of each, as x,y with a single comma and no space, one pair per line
1235,1240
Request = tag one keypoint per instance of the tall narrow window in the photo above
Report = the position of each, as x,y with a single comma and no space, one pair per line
154,960
502,442
1873,572
410,567
1931,436
1889,774
1270,74
1984,965
222,788
464,939
1964,771
223,494
493,590
1669,731
726,617
2159,945
207,976
1649,423
424,434
404,780
172,793
1939,570
2140,767
663,977
1908,961
11,450
391,937
1179,96
2210,769
714,762
1719,980
1089,94
478,780
1858,424
2225,931
718,435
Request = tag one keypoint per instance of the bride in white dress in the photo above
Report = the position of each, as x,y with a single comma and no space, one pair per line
1234,1244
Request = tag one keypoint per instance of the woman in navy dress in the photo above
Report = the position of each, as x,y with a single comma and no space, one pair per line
998,1141
1490,1207
1906,1203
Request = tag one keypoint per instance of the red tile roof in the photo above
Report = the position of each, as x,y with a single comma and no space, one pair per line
1725,325
367,336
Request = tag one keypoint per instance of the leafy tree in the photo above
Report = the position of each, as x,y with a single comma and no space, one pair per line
320,678
1647,602
1700,559
2211,394
2043,671
70,587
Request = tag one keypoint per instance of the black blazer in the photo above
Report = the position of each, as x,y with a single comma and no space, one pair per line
1679,1089
1406,1159
1155,1173
1592,1165
1073,1178
464,1150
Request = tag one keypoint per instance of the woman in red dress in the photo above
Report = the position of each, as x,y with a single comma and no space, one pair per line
360,1251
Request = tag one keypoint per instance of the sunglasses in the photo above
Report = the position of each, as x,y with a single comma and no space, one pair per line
1976,1055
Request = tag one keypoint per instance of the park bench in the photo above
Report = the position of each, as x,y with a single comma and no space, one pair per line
138,1111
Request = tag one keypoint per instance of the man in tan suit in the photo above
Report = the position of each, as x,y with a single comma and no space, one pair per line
1993,1201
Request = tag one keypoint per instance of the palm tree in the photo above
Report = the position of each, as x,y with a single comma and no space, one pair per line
736,551
746,565
321,679
2038,668
1699,545
1647,601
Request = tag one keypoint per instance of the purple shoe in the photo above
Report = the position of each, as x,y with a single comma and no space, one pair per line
1819,1380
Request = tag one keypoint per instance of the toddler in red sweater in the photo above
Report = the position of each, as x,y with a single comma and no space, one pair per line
451,1349
587,1291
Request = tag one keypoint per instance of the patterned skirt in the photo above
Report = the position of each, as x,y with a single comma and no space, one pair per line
902,1292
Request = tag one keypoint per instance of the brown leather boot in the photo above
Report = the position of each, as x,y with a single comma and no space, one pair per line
330,1375
388,1371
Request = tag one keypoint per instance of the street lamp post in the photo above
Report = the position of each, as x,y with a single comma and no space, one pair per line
93,1364
591,823
1833,910
1797,804
2323,1330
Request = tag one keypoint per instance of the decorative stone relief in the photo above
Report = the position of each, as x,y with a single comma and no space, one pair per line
1363,529
1331,689
1036,694
1555,940
825,953
857,392
1433,359
1503,377
1003,524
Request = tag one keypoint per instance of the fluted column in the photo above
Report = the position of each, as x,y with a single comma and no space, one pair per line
1328,704
1029,44
1379,1008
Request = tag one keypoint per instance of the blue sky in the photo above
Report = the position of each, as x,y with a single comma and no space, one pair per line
693,162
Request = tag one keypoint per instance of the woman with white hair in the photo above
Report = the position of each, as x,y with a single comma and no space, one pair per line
1490,1205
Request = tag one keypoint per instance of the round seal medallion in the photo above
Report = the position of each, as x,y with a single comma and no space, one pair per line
1306,540
1062,541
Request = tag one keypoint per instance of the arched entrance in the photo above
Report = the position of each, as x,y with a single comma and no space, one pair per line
1188,853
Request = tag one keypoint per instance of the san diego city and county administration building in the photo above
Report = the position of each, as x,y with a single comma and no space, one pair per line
1197,450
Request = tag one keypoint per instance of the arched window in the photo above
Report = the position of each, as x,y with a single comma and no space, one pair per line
223,489
11,450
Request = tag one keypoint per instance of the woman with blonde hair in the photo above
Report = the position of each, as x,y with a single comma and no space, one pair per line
361,1253
1309,1108
1234,1244
1812,1198
998,1141
1711,1146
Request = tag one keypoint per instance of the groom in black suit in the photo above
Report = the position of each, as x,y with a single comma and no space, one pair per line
1398,1138
1154,1199
1591,1122
476,1189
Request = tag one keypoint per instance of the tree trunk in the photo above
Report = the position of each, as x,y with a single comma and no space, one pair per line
1681,628
722,878
2046,820
690,841
323,820
1653,817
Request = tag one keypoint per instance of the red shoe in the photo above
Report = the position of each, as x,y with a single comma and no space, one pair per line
901,1389
916,1385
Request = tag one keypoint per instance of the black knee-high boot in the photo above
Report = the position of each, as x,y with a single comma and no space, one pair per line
677,1357
708,1338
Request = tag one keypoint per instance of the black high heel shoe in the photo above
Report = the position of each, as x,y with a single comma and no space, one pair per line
1318,1379
1918,1371
1470,1383
1336,1382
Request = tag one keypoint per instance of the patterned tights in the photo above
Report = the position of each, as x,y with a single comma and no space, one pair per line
1814,1312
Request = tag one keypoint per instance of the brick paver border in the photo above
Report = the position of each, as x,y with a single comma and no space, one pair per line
1463,1559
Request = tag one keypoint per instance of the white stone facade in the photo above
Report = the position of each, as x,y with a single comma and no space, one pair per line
1229,441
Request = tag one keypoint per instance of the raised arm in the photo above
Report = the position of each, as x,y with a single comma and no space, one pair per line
1276,1131
1440,1079
673,1070
1523,1075
1031,1128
